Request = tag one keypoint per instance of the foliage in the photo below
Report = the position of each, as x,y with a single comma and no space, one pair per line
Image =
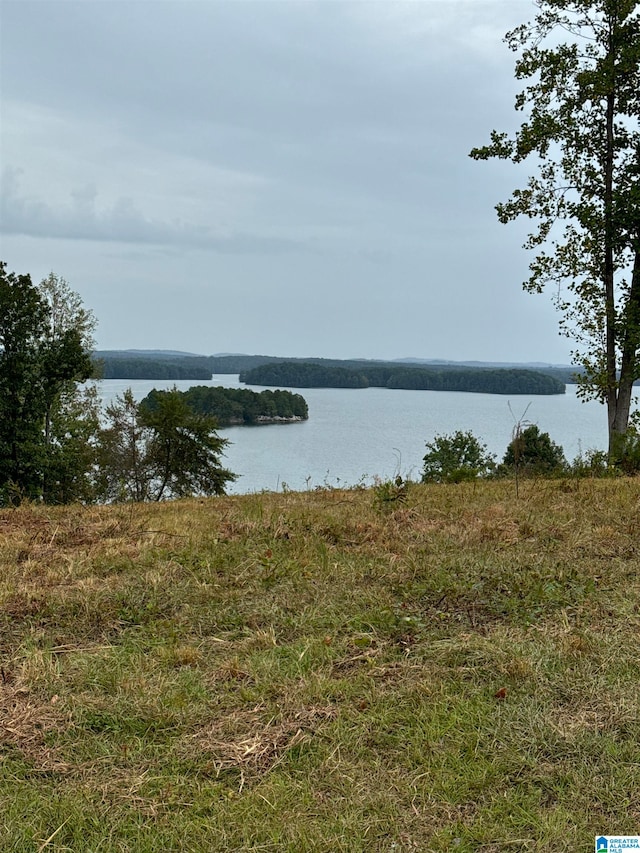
581,59
455,458
72,450
44,352
148,368
123,469
72,414
478,380
626,450
23,318
388,494
231,406
533,452
292,374
416,377
593,463
150,453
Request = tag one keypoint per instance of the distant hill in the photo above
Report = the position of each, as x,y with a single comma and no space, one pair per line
143,353
525,365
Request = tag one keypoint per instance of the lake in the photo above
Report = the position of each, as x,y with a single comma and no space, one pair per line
355,435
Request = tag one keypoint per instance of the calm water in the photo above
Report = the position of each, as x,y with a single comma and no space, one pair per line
353,435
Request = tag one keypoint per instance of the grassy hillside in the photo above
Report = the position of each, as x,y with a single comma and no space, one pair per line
316,672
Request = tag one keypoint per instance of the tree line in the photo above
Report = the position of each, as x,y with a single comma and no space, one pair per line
204,365
148,368
295,374
300,374
461,456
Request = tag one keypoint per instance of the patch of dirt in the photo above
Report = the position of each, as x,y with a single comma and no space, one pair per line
25,722
21,605
245,742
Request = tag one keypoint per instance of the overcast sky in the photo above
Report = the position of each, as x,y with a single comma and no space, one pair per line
284,178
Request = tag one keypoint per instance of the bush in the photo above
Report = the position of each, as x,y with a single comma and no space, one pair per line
533,452
594,463
627,449
455,458
390,493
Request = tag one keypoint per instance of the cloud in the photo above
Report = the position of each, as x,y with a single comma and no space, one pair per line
83,218
297,171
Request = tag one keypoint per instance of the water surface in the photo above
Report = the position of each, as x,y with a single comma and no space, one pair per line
356,434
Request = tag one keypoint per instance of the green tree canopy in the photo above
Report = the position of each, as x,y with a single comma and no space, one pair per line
165,451
40,357
534,452
454,458
233,406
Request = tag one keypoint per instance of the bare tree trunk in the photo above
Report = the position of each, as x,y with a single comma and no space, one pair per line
630,353
167,471
609,265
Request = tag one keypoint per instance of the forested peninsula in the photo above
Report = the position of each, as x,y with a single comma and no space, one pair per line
238,406
479,380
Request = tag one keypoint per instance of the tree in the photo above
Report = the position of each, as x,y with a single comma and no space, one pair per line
454,458
23,318
72,449
629,450
184,449
533,452
123,470
147,453
72,412
581,59
37,363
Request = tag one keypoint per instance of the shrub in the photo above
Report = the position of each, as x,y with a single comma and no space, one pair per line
627,448
390,493
454,458
533,452
594,463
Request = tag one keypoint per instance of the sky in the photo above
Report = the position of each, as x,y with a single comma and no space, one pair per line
282,178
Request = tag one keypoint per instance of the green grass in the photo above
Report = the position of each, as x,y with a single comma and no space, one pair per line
317,672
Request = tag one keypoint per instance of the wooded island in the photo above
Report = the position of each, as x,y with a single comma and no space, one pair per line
238,406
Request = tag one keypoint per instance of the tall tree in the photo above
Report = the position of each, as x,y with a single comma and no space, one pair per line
37,364
159,450
124,472
581,60
71,419
184,449
23,318
71,454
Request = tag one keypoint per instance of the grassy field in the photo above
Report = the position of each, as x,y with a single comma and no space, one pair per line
317,672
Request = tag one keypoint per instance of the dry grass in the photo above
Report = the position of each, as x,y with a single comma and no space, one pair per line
309,672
